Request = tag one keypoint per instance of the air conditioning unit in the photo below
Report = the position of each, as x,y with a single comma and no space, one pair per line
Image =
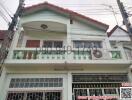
100,54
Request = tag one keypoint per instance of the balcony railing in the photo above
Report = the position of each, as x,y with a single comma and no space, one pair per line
33,54
115,54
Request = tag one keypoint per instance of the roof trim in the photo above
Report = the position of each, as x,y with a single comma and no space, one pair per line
41,6
112,31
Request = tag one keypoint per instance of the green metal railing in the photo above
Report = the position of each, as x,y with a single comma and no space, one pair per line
116,55
60,55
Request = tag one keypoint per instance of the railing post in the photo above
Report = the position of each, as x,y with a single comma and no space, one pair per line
10,54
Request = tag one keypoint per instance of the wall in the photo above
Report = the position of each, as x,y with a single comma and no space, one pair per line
45,36
44,16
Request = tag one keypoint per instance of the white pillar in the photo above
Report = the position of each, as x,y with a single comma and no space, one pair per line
130,74
69,86
106,44
120,46
69,43
2,84
69,35
14,42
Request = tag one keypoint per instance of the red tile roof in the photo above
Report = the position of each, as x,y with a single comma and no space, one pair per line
34,8
110,33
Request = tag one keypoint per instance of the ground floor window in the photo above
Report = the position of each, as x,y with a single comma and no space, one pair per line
46,95
35,82
27,89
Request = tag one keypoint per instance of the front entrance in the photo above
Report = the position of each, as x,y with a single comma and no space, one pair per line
36,95
97,86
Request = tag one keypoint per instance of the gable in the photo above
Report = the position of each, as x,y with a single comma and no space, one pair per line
78,29
65,12
119,35
45,15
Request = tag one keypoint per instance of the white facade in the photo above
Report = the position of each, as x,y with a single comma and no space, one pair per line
24,62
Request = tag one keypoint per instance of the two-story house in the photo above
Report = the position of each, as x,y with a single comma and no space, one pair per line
58,54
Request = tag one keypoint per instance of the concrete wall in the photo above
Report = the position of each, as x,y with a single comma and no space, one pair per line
75,31
45,36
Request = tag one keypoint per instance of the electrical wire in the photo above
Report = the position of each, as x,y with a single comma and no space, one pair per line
5,9
4,17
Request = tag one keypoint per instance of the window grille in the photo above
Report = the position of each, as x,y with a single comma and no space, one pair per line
100,78
87,44
52,95
35,82
53,44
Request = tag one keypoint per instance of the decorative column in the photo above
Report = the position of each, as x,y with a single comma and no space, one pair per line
69,43
14,41
120,46
130,73
69,86
106,43
2,84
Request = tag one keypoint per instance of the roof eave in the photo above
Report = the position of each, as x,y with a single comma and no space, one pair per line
34,8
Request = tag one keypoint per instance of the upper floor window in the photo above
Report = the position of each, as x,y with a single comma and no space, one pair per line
53,44
87,44
33,43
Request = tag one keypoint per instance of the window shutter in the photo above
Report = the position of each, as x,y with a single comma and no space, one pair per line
33,43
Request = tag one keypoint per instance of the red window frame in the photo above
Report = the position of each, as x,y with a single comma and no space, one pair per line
33,43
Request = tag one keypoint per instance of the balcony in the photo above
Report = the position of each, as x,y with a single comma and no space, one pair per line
36,56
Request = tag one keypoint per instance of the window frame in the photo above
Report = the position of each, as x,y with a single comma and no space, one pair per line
52,43
28,45
91,42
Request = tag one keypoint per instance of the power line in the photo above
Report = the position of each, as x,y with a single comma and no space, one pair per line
125,17
4,17
5,9
9,35
3,2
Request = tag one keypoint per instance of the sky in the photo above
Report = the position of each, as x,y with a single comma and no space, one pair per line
96,9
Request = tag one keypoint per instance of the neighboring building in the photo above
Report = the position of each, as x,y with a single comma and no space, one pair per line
32,72
120,38
2,32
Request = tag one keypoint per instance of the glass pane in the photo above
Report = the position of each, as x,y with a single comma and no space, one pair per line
58,44
110,91
36,82
47,44
15,96
87,44
95,92
38,95
78,44
35,96
97,44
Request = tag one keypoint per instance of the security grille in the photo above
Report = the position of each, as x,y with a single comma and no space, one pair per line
15,96
51,95
35,82
100,78
87,85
